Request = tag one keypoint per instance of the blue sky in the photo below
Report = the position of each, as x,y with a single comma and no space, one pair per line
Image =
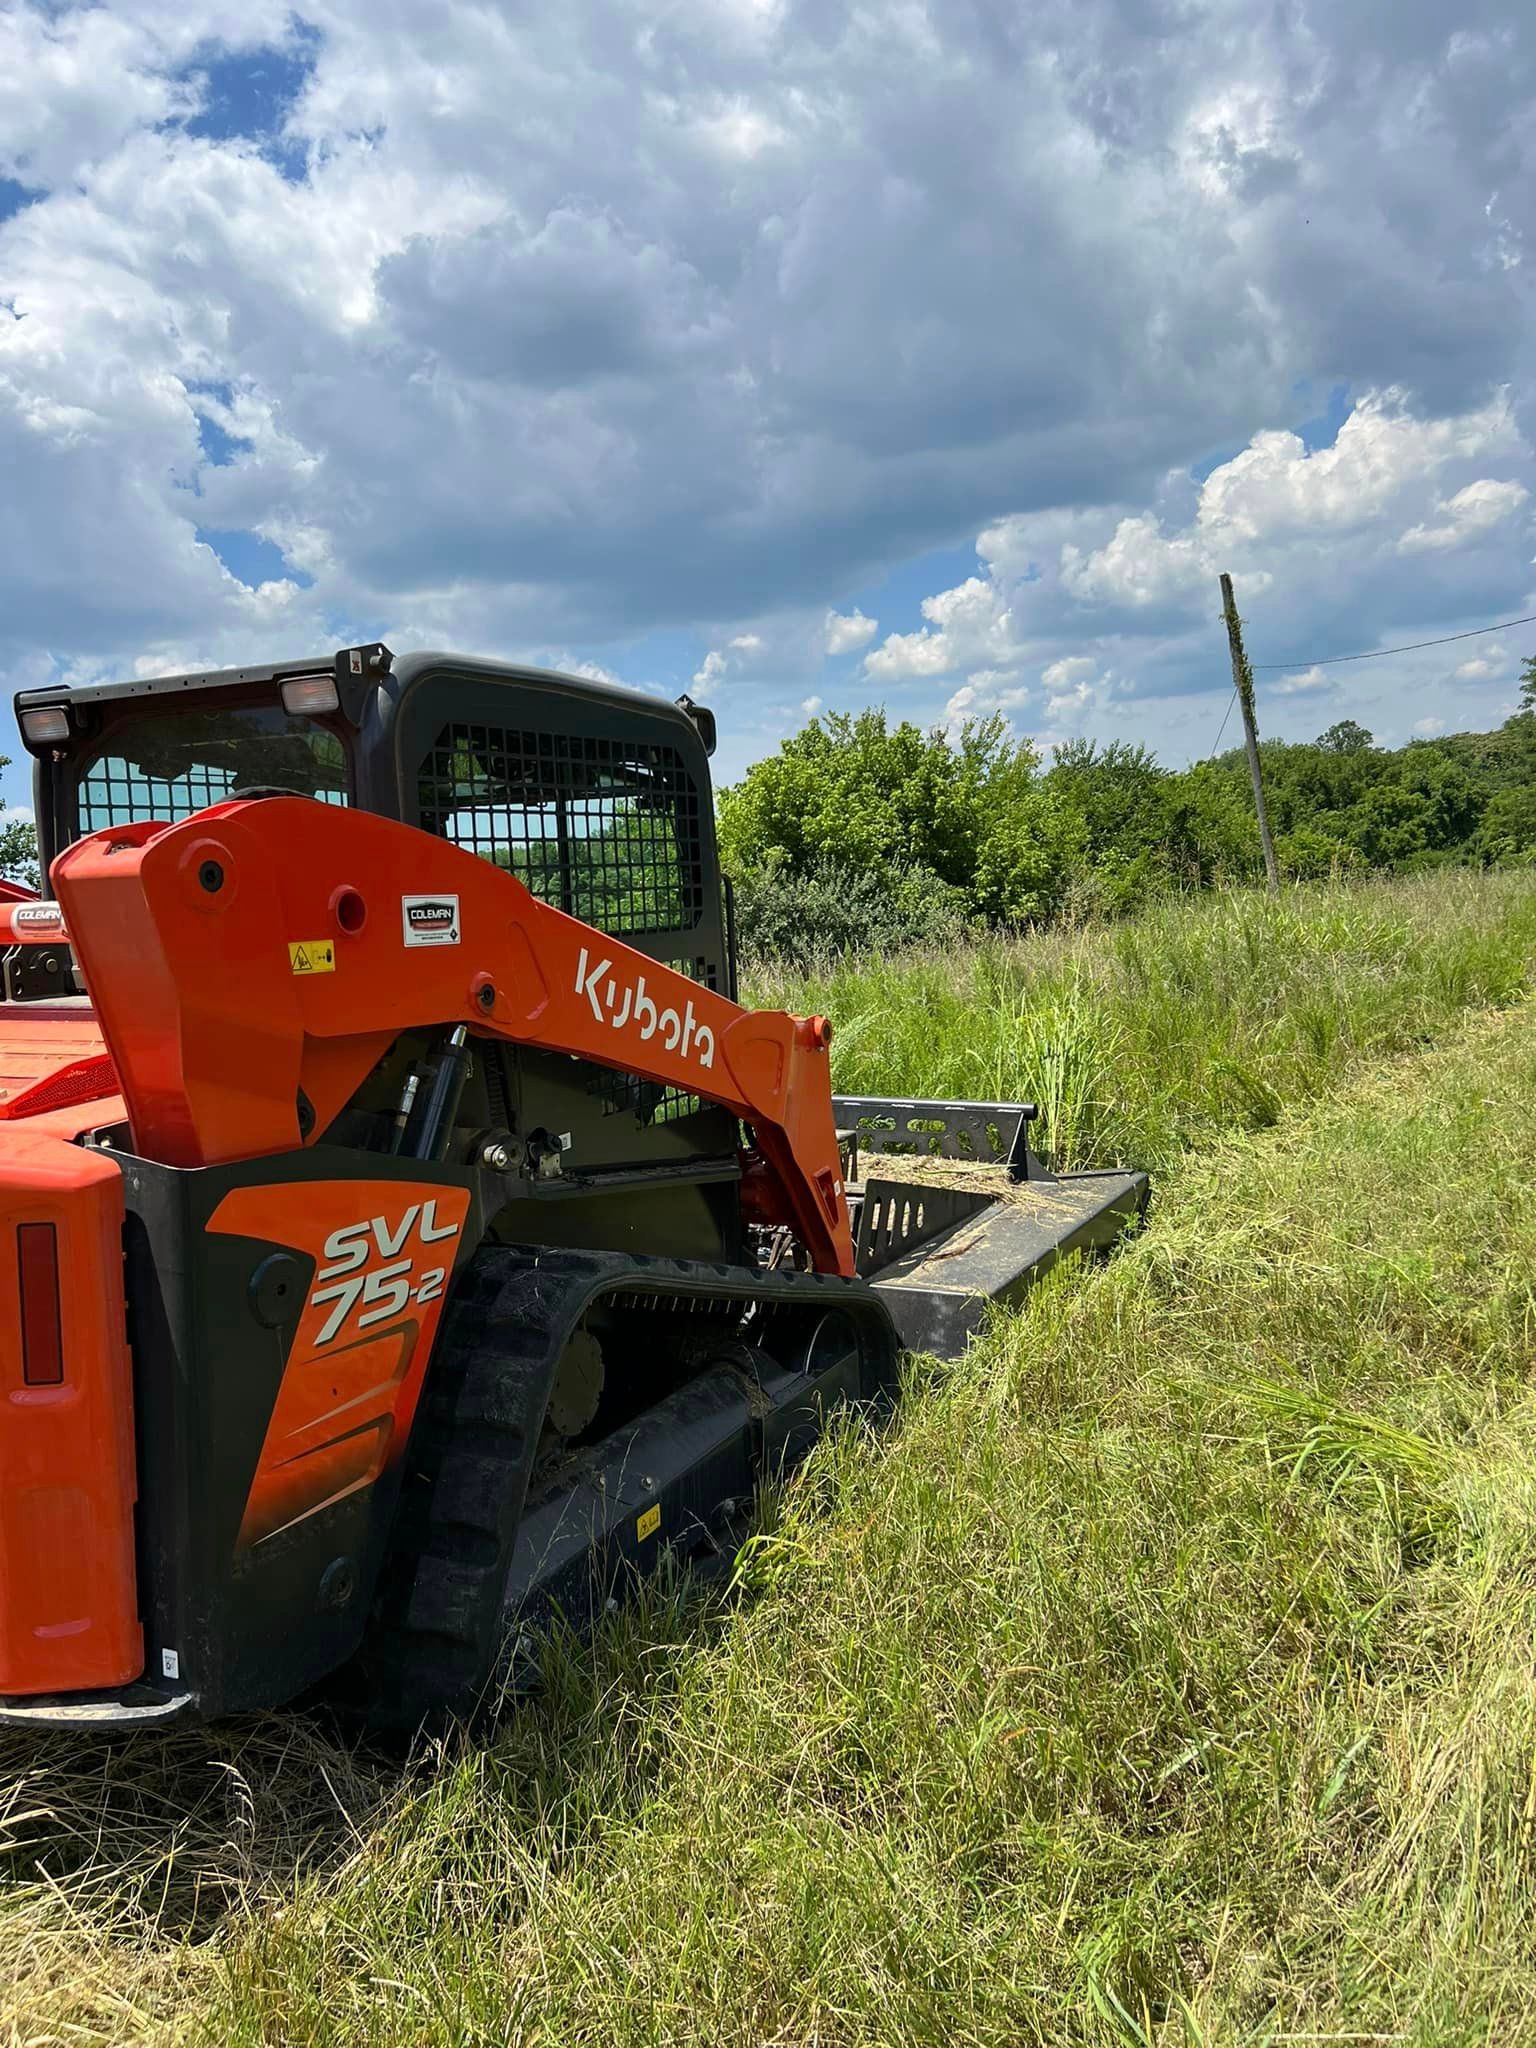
798,354
248,95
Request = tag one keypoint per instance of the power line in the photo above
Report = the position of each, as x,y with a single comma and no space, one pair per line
1380,653
1216,747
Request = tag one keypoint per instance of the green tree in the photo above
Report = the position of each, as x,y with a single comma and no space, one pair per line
1027,858
857,793
1308,855
1455,803
1346,737
1528,685
837,910
868,834
1117,791
18,846
1144,828
1508,828
1393,827
1209,831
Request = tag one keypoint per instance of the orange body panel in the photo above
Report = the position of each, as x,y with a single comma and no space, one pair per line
40,1043
184,933
383,1252
68,1601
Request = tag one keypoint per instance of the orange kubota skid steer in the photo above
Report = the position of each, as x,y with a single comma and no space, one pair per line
403,1230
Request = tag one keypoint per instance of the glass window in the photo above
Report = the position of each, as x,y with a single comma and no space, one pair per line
166,764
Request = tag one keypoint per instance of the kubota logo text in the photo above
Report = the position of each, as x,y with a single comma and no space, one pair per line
624,1004
381,1291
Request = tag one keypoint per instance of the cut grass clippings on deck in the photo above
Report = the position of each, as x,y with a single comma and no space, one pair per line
1163,1676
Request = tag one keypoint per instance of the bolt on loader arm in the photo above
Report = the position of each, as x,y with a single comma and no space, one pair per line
250,965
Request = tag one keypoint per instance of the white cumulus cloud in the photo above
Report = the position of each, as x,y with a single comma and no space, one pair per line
1474,510
986,692
1276,495
968,624
1116,606
1069,672
1305,683
849,631
737,655
1492,661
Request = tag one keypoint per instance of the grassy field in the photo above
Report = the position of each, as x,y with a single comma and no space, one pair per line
1204,1016
1164,1675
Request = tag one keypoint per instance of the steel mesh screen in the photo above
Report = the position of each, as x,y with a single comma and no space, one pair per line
112,792
166,765
607,829
648,1100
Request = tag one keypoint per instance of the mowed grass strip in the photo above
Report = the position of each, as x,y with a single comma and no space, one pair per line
1204,1015
1166,1676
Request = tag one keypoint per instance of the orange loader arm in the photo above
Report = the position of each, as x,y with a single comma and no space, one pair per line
271,949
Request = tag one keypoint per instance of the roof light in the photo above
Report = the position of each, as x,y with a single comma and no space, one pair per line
40,726
308,696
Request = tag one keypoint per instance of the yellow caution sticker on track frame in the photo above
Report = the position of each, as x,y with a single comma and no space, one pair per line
312,956
648,1523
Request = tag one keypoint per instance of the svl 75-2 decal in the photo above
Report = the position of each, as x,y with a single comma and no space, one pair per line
383,1257
381,1291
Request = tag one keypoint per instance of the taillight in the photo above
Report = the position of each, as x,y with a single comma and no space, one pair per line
42,1350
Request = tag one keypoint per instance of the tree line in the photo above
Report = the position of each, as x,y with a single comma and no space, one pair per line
859,832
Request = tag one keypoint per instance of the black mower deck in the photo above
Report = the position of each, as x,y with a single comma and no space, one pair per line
979,1217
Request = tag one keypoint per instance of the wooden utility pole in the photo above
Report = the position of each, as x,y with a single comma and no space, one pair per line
1242,682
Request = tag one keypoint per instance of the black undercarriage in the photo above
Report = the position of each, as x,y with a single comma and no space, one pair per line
701,1378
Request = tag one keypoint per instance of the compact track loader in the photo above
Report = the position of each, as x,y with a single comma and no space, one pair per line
403,1230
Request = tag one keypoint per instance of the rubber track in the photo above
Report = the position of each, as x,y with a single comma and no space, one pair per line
435,1636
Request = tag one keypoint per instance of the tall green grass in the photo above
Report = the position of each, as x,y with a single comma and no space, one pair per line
1201,1017
1162,1676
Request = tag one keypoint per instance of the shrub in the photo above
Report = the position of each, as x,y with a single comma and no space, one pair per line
831,910
1307,855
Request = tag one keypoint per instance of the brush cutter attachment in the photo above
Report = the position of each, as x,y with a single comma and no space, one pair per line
970,1215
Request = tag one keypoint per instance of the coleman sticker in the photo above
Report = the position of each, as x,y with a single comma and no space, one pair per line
37,917
312,956
430,920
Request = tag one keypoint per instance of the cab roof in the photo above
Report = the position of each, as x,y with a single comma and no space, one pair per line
358,669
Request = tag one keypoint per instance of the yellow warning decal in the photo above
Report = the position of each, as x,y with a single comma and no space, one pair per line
312,956
648,1523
